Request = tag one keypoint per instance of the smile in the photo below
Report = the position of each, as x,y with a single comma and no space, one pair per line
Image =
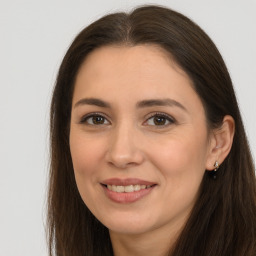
127,189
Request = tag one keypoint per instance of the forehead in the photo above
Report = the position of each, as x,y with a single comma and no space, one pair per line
133,73
139,59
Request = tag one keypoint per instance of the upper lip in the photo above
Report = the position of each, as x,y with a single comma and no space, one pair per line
126,182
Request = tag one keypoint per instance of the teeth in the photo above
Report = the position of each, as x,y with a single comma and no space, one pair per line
119,189
127,189
136,187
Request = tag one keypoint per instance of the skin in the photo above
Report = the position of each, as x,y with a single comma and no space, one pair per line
128,141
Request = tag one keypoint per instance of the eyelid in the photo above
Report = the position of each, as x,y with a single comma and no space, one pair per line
161,114
149,116
87,116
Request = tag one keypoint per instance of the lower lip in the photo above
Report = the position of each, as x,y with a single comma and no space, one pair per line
129,197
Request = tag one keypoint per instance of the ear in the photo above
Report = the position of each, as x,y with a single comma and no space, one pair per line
220,142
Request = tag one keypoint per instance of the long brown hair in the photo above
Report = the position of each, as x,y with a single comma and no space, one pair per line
223,220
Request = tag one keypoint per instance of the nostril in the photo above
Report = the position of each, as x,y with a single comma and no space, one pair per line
121,163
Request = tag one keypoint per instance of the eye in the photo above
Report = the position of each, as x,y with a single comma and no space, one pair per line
94,119
160,120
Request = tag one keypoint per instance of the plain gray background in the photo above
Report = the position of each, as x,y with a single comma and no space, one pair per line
34,36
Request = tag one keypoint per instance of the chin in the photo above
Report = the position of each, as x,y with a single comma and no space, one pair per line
128,230
128,224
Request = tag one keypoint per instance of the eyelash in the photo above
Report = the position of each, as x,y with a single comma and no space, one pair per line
91,115
166,117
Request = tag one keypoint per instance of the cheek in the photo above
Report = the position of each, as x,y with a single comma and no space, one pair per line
181,160
86,154
181,163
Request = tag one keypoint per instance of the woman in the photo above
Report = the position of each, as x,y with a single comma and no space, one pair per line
148,151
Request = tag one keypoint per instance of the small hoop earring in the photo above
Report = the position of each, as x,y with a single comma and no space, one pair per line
216,166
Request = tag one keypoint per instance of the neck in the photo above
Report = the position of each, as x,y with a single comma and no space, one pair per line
156,242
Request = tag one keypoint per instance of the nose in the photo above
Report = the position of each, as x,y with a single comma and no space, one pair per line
124,149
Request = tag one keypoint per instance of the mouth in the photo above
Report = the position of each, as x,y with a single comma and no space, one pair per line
127,190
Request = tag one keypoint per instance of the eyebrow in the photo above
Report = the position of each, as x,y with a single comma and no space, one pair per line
140,104
160,102
92,101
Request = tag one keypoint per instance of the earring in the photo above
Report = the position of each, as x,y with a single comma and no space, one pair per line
213,173
216,166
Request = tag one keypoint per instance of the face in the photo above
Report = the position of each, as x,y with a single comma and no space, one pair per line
138,139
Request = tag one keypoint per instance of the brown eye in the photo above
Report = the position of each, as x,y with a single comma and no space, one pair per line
159,120
95,120
98,120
